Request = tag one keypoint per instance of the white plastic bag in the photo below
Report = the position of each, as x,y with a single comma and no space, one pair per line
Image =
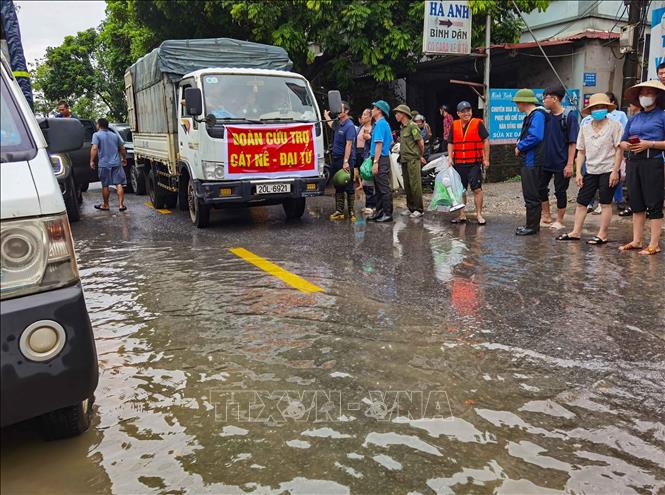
448,191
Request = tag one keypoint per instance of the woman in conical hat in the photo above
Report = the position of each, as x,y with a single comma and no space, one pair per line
644,141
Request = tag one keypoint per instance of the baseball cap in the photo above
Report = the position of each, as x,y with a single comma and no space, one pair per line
463,105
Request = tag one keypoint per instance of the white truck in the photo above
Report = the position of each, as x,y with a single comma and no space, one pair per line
260,142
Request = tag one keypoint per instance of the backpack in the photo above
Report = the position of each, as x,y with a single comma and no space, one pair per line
564,121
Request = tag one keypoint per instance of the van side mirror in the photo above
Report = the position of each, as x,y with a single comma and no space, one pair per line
334,102
193,101
62,135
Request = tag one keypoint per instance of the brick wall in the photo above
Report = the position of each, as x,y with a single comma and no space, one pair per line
503,164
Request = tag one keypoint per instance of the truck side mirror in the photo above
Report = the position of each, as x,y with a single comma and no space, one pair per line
193,101
334,102
62,135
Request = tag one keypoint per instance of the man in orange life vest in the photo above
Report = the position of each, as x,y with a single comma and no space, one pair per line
469,152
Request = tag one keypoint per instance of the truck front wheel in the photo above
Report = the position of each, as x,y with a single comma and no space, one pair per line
294,208
198,212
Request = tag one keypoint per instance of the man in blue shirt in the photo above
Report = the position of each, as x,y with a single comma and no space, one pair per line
110,149
343,152
379,151
561,134
530,150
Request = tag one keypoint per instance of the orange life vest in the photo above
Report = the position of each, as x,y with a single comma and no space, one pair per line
467,145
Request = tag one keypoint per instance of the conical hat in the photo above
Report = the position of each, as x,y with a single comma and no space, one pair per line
599,99
632,94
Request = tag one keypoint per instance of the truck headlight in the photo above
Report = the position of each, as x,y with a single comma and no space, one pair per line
213,170
59,165
37,255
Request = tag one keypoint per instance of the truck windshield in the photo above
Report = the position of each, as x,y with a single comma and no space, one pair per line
15,142
255,97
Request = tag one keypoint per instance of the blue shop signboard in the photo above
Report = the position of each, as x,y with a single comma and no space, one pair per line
589,79
506,121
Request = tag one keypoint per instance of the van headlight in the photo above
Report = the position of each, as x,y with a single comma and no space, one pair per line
59,164
37,255
213,170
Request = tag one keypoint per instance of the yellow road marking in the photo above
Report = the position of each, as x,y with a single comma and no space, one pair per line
284,275
161,210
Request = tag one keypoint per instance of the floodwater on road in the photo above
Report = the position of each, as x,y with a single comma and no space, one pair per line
436,359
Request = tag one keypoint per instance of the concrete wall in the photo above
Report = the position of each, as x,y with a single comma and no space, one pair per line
564,18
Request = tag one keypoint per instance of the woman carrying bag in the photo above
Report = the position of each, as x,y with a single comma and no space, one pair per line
644,141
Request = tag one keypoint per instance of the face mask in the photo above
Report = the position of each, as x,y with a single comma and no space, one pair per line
599,114
647,101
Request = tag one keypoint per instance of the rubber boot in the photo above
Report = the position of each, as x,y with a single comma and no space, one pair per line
339,207
532,222
351,203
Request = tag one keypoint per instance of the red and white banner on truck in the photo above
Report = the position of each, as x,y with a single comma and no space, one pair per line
252,151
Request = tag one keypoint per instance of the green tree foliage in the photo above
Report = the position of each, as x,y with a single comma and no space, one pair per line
81,68
330,41
380,38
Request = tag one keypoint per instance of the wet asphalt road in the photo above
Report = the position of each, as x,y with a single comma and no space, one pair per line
436,359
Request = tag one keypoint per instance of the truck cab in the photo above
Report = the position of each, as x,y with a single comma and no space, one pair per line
223,123
260,142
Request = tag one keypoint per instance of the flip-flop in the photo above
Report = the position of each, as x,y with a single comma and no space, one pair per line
596,241
458,220
630,247
567,237
483,222
100,207
650,250
123,208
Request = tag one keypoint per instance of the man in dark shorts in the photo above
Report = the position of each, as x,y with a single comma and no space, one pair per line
561,138
469,153
110,149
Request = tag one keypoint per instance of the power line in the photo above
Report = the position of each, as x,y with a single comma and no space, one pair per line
573,99
592,6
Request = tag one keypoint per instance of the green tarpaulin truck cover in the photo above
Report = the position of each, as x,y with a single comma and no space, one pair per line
176,58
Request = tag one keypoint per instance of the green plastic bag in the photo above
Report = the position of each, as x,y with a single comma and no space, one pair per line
440,198
366,169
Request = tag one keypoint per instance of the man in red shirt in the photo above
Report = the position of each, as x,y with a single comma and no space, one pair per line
447,124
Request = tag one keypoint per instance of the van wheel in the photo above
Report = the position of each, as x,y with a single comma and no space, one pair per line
198,212
137,180
71,201
294,208
157,195
68,421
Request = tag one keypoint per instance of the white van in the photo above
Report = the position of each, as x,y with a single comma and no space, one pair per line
49,362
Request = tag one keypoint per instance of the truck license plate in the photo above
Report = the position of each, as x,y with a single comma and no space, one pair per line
273,188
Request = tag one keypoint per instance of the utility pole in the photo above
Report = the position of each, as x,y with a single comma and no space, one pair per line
631,63
486,108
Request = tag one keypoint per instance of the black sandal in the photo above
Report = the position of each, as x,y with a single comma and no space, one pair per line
100,207
458,220
567,237
596,241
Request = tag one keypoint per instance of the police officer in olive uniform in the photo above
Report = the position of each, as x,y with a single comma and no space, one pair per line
411,151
